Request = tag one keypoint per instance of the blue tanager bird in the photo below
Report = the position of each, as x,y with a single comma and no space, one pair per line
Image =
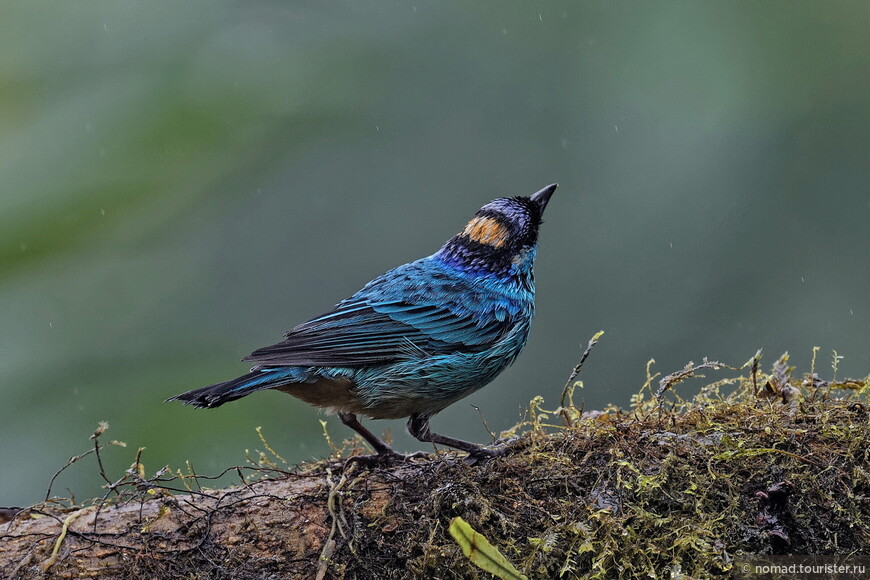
416,339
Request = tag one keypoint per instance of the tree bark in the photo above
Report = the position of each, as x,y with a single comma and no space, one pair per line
690,487
279,525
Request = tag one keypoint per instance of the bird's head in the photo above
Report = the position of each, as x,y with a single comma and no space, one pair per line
501,237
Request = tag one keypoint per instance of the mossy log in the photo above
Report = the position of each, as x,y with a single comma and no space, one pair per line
681,488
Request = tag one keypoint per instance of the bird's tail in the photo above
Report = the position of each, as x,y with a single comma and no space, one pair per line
220,393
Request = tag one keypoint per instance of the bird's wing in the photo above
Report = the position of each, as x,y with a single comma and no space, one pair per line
361,335
371,328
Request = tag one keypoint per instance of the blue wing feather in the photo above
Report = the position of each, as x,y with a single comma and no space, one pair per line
417,309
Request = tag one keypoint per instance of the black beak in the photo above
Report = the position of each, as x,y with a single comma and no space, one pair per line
542,197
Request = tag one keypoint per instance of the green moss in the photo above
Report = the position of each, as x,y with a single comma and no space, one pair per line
773,466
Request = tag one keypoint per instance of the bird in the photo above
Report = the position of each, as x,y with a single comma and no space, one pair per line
414,340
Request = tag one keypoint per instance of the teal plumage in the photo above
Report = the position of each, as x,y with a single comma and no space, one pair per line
415,339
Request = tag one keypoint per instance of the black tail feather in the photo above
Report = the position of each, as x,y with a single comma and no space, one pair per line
216,395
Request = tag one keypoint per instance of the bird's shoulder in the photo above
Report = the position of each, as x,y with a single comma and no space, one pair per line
432,281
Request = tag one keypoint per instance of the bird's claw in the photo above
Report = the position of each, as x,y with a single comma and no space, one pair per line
484,454
384,459
478,456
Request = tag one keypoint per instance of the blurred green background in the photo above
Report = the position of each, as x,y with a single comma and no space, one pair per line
181,182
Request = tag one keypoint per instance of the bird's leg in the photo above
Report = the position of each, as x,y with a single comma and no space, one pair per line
384,453
418,427
351,421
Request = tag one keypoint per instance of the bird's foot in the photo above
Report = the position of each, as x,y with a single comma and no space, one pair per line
383,459
512,443
484,454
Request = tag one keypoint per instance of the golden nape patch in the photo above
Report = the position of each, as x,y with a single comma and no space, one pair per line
487,231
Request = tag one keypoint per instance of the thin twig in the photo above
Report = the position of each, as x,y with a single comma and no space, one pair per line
569,385
687,372
483,420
